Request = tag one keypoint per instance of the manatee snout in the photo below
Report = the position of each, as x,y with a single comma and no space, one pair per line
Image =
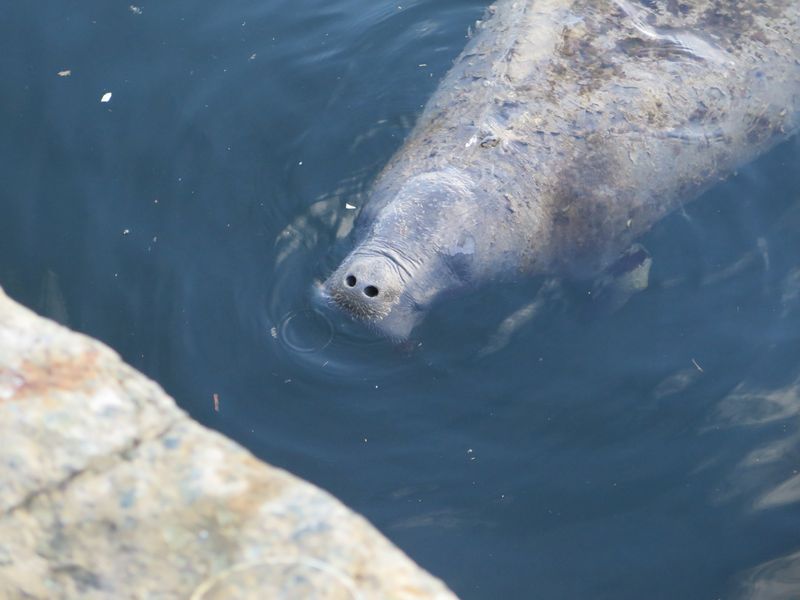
365,286
412,251
372,287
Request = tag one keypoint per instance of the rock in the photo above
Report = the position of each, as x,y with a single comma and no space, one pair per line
108,490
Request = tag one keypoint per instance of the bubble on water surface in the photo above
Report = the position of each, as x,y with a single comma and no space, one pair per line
305,331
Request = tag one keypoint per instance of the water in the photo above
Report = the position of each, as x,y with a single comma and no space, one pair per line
648,453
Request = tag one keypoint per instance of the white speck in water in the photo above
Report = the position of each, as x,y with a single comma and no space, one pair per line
106,97
135,9
274,332
65,73
472,141
126,231
349,206
423,64
253,56
300,163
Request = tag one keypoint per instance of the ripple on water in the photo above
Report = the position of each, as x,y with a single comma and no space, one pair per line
305,331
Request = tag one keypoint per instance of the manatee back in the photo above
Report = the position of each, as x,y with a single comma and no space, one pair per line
586,121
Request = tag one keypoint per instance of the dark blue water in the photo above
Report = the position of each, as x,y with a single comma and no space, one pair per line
648,453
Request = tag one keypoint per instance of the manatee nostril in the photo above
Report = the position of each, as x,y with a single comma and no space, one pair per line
371,291
350,280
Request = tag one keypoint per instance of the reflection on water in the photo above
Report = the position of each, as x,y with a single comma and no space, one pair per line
526,439
775,580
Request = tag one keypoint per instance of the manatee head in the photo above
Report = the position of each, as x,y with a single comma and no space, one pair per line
415,246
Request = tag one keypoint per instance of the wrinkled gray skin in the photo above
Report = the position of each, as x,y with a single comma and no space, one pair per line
564,131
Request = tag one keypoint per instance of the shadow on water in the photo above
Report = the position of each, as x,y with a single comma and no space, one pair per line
650,452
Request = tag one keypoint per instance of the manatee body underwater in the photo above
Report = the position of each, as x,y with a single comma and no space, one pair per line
564,131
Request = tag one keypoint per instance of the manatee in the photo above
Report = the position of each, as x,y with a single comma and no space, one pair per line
562,133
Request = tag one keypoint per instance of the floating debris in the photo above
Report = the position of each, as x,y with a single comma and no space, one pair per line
349,206
215,397
126,231
423,65
253,56
135,9
698,367
106,97
65,73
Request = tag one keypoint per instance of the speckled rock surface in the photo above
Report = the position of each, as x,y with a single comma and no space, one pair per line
108,490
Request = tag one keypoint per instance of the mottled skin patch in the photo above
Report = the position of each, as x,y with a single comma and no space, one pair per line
577,124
